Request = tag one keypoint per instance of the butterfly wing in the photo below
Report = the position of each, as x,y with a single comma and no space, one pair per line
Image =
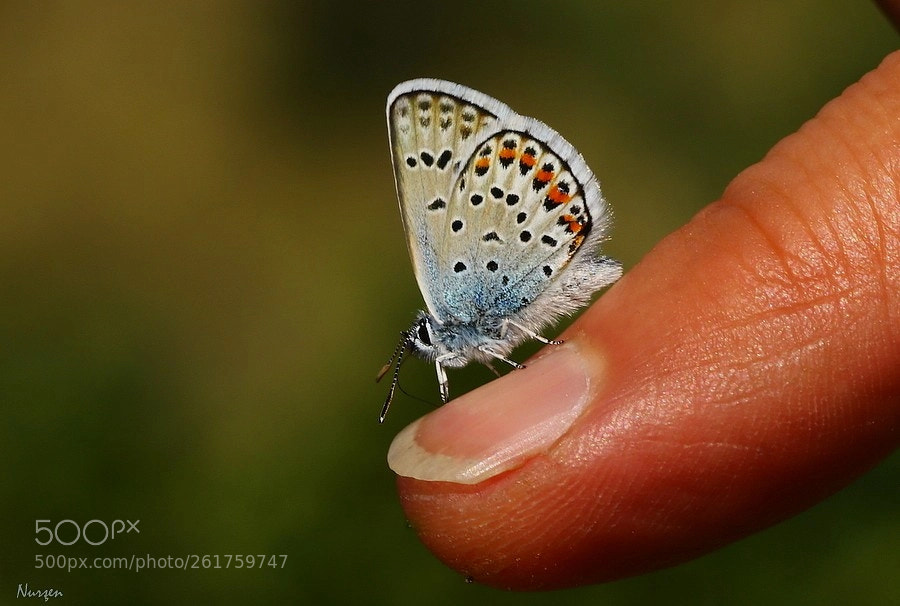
503,216
433,126
519,215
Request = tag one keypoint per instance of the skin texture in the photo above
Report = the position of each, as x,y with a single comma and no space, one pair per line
764,376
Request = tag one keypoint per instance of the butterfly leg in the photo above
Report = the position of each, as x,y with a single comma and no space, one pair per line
497,356
530,333
443,383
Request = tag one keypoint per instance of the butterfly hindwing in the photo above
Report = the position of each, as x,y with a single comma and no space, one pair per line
517,216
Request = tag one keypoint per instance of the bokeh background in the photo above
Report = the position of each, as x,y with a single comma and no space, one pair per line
203,266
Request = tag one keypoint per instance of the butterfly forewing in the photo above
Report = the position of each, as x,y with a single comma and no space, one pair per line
432,133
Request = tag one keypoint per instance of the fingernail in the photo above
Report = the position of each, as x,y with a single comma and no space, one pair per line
497,427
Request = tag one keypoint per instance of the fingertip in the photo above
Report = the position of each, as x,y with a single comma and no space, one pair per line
497,428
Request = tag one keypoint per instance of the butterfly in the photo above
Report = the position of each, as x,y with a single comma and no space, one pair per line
503,220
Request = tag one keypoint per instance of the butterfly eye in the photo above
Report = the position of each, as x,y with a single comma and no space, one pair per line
422,333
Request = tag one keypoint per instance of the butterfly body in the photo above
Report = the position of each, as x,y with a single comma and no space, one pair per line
503,221
457,343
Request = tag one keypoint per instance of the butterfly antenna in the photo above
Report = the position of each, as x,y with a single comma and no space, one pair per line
399,352
404,338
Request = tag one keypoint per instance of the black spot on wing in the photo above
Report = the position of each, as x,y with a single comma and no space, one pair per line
444,158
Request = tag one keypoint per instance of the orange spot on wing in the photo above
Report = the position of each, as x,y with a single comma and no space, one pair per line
483,163
556,195
507,154
528,160
574,225
544,175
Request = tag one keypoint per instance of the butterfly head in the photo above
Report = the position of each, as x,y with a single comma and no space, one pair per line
427,338
420,339
450,344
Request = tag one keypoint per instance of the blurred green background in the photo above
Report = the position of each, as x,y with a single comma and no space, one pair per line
203,267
